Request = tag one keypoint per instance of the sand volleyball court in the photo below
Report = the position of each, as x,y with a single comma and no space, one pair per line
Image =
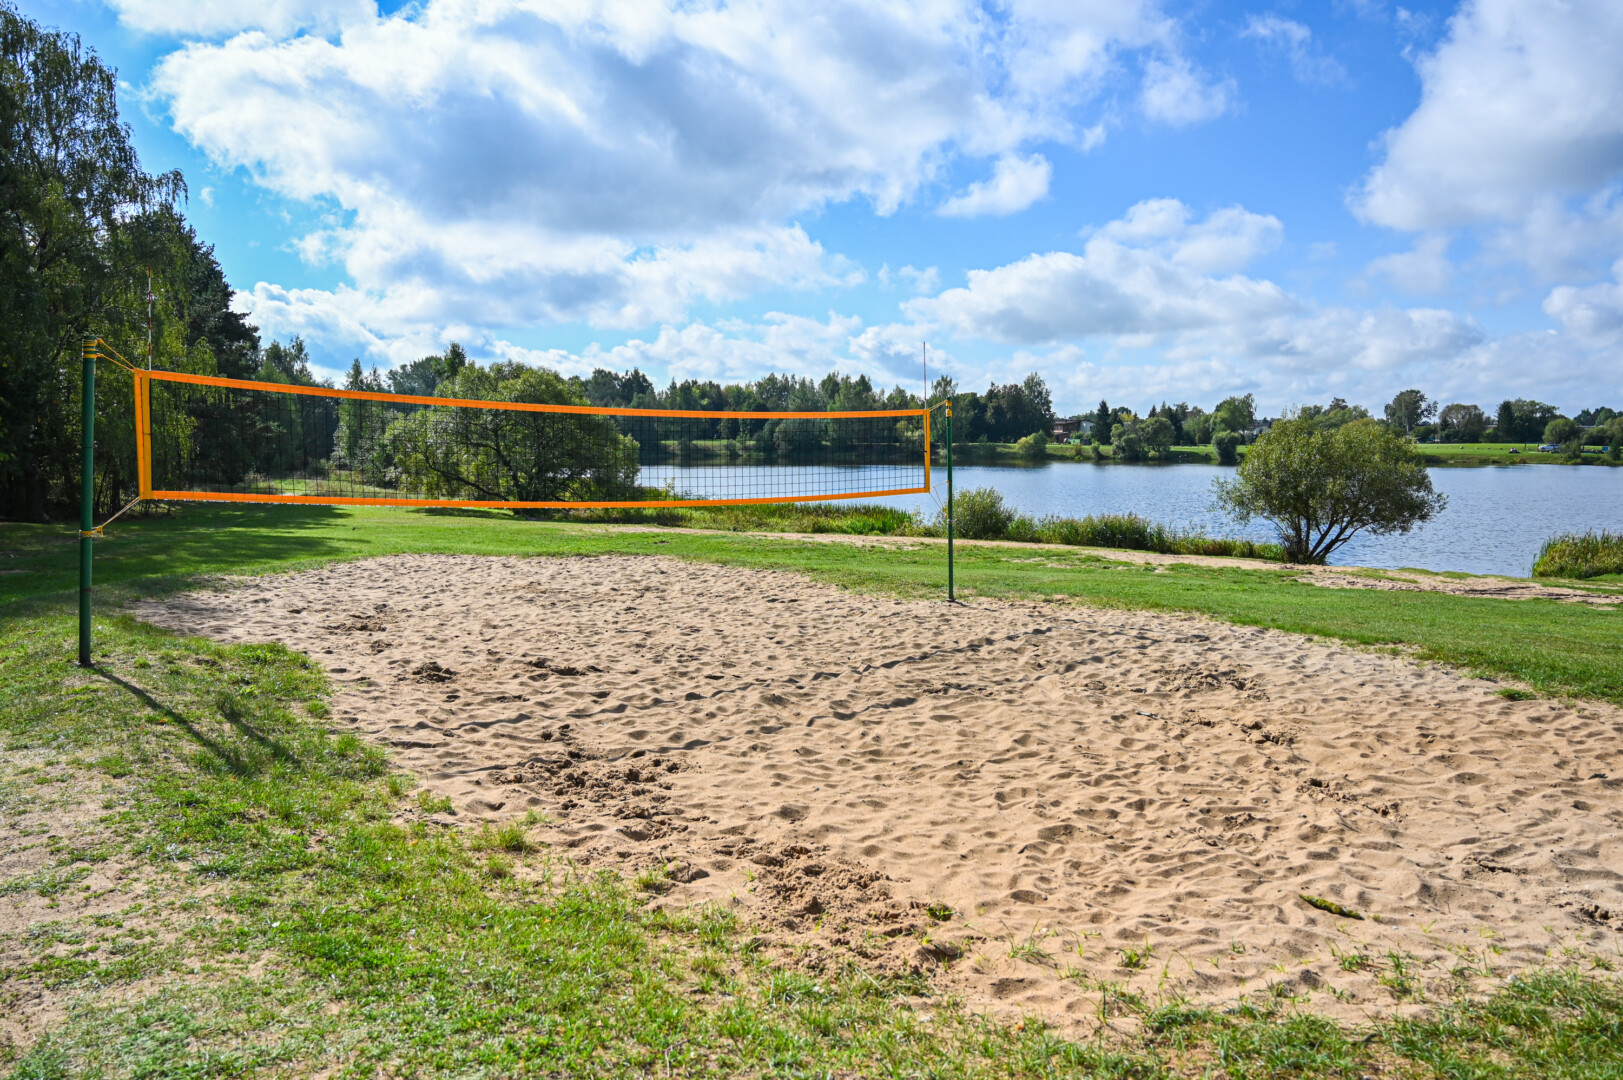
1097,797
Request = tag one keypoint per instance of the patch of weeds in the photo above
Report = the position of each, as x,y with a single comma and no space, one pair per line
654,879
47,883
1399,976
1511,693
1350,959
508,836
938,911
1136,959
115,765
1031,949
429,803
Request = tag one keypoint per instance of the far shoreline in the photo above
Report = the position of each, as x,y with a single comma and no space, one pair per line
1439,455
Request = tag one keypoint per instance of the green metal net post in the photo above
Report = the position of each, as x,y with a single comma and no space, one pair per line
951,596
87,501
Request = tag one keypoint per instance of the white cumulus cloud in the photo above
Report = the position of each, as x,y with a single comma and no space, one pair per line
1148,273
1176,92
1593,314
615,162
1426,268
1015,184
212,18
1521,102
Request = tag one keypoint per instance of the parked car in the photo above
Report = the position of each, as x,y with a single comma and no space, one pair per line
1549,448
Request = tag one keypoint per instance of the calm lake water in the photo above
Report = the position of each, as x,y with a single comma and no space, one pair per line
1494,523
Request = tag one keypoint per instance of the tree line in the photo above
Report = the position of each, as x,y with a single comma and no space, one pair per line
83,225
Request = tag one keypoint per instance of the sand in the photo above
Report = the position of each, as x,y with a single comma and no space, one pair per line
1076,785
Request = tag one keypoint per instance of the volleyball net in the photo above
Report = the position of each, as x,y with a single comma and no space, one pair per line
206,438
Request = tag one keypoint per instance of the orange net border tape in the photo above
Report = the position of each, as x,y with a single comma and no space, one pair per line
144,450
517,406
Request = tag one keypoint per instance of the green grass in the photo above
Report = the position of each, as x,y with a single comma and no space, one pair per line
1497,454
335,940
1581,555
1555,647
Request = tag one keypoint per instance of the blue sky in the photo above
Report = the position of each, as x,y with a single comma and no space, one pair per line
1141,200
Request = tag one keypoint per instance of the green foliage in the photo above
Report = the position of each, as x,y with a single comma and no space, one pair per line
799,439
1462,423
1127,442
1238,414
1014,410
1333,415
1322,488
1227,444
1033,446
1521,420
82,223
1133,533
1561,430
1199,429
1408,410
1158,434
503,453
1580,555
979,514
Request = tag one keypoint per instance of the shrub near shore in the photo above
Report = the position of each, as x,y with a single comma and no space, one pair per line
979,514
1580,555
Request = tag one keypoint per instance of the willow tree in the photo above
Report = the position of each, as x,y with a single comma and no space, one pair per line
70,188
510,455
1322,488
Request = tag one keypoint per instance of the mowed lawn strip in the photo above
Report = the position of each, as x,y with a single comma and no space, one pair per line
1555,647
308,926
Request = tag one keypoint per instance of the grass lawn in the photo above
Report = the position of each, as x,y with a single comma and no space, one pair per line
271,916
1554,647
1495,454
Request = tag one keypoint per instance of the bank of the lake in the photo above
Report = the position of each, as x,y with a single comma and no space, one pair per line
1494,523
1466,455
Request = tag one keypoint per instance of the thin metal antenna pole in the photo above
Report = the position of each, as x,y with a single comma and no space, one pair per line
150,297
87,499
951,593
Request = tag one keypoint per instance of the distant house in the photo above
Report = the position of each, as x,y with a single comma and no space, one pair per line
1064,429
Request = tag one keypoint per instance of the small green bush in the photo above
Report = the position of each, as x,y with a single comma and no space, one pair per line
979,514
1562,430
1580,555
1033,446
1228,447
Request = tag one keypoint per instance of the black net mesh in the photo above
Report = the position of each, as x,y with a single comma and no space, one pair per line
230,439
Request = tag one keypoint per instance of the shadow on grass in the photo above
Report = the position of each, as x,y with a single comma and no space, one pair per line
159,554
234,762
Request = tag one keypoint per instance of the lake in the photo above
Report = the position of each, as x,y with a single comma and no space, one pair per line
1495,521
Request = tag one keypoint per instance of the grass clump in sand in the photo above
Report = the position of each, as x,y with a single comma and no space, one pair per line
1588,554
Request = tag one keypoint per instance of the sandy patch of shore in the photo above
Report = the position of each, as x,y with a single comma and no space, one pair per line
1100,798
